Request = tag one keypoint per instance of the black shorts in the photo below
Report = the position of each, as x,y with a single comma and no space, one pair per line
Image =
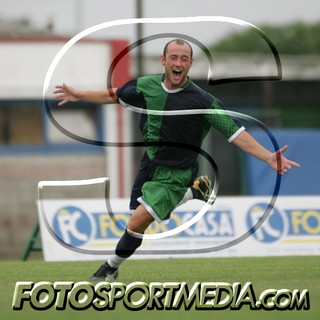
145,174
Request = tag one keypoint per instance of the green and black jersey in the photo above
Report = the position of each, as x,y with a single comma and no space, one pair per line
179,116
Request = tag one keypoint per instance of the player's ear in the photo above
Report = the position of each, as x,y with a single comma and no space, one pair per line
162,59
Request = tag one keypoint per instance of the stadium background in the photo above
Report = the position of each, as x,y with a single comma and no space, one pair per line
30,151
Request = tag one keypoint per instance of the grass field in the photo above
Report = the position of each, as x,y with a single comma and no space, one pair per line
264,273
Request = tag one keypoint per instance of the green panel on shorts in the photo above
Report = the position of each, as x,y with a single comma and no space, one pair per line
166,189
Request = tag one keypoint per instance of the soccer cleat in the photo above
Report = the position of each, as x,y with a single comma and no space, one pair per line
105,273
201,188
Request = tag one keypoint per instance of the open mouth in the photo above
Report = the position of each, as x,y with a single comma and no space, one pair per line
176,74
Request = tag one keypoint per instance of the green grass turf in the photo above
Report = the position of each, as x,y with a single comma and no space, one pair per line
264,273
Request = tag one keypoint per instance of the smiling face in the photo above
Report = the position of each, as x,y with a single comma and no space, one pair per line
177,62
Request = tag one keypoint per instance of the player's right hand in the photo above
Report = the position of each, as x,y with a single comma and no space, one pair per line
66,93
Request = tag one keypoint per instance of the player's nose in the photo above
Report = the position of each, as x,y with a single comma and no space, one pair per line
178,62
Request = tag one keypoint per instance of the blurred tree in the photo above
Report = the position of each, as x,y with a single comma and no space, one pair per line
294,38
21,26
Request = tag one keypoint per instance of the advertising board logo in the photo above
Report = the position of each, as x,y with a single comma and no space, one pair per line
73,226
304,221
218,223
78,228
272,229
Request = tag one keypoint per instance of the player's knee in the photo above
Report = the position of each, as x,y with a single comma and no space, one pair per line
137,228
139,220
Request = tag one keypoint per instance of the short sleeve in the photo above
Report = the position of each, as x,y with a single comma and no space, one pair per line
223,122
128,96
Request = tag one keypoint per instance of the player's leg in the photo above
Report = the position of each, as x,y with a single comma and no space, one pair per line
138,222
200,189
127,245
145,174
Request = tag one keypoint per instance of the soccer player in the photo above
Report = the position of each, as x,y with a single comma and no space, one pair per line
166,174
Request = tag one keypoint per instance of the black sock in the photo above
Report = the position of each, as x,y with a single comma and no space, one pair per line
127,245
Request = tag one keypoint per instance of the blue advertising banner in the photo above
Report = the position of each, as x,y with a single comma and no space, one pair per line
85,230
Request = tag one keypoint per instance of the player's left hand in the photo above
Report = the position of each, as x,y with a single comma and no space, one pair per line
280,163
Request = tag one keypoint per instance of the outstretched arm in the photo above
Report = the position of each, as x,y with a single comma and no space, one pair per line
276,160
67,93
